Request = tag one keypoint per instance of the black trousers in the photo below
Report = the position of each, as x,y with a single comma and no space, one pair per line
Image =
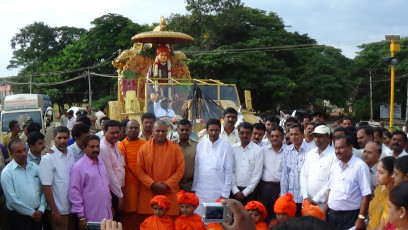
18,221
252,196
343,219
117,216
268,194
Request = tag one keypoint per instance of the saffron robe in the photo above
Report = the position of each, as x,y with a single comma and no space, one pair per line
214,226
189,223
130,149
159,163
156,223
261,226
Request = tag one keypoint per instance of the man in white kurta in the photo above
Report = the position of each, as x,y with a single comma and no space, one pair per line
213,167
316,169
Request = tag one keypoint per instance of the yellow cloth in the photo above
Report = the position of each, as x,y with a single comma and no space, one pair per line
377,206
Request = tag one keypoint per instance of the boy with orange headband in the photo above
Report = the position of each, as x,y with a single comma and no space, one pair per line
284,208
188,219
311,210
258,213
159,221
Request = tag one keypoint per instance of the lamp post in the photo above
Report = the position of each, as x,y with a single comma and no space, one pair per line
393,48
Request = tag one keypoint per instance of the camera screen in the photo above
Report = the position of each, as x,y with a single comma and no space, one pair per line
215,213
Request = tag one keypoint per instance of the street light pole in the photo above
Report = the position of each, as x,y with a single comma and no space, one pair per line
393,48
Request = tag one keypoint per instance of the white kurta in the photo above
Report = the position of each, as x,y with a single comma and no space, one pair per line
212,171
315,174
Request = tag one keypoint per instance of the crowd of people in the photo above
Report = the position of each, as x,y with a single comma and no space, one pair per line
304,175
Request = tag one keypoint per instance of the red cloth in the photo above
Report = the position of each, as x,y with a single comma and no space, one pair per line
189,223
187,198
311,210
285,204
155,223
214,226
161,201
261,226
255,205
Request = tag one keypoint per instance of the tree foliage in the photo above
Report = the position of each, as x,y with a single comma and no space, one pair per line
251,48
234,43
370,60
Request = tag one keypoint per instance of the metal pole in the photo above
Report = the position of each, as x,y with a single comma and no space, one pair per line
406,109
392,89
89,88
371,97
31,85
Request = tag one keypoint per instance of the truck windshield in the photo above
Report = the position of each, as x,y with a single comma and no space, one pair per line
20,117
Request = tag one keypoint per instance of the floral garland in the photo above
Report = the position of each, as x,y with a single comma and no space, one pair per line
157,71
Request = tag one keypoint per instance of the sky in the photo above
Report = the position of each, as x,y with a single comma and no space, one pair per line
343,24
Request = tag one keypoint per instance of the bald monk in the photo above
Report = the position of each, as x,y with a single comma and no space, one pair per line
188,220
160,167
130,148
159,221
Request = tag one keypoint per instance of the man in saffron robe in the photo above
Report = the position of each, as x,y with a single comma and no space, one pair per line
160,167
130,148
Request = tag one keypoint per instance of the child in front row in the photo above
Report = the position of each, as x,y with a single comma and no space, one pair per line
159,221
188,219
258,213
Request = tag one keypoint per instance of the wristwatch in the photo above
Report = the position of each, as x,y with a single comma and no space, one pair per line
361,217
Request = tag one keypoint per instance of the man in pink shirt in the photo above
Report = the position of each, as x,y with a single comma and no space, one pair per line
114,163
89,190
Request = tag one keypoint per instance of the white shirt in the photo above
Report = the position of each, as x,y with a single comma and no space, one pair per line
316,173
71,122
385,151
232,138
263,144
310,145
358,153
212,171
348,184
78,153
100,134
247,168
55,170
160,112
272,166
403,153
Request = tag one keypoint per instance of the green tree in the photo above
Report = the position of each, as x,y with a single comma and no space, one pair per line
369,60
251,48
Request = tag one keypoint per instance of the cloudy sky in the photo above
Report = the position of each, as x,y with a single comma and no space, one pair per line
344,24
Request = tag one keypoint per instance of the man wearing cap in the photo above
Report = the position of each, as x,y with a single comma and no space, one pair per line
316,169
161,107
27,121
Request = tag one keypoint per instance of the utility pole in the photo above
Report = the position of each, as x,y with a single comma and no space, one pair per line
31,83
406,109
371,98
89,88
393,48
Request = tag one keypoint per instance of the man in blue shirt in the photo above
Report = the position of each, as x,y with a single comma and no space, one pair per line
21,184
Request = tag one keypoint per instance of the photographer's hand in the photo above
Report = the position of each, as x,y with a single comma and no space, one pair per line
110,225
242,218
